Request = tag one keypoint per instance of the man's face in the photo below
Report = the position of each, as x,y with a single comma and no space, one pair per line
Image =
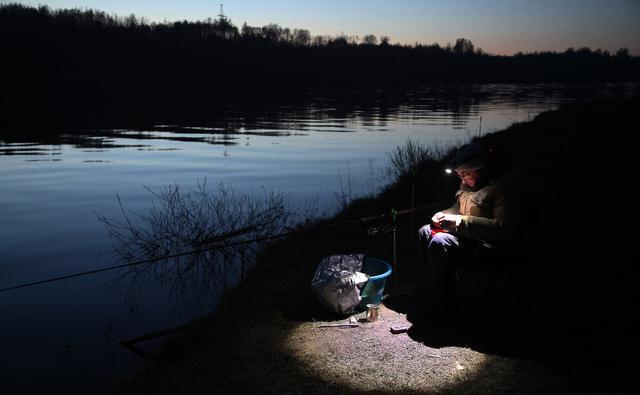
469,177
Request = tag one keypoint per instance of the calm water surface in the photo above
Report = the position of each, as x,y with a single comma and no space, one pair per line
65,334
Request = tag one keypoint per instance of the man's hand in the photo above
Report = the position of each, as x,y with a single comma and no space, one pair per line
437,217
446,221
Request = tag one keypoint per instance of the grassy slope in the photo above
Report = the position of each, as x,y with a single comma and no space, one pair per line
265,337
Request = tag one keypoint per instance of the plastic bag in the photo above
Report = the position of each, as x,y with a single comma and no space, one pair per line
337,282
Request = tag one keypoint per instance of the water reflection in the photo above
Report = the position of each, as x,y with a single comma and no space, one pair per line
28,149
455,105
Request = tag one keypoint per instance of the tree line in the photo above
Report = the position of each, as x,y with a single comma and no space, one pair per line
87,63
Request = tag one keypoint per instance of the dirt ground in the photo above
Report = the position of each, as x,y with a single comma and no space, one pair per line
370,358
572,334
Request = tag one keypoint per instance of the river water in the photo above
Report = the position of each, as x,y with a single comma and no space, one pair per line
63,336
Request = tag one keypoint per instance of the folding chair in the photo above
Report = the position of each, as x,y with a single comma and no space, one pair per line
501,278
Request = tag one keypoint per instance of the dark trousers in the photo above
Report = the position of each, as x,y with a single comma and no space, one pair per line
442,254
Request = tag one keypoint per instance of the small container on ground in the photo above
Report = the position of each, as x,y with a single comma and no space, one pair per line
372,312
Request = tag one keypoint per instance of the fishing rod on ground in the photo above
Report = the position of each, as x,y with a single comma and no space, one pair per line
393,215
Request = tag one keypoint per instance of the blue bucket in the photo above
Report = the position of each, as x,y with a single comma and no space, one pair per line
378,271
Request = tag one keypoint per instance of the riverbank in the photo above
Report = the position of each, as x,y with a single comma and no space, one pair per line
266,336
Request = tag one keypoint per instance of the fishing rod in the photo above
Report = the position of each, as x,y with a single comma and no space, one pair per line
150,260
393,214
399,212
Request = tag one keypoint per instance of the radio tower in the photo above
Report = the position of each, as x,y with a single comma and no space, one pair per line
221,15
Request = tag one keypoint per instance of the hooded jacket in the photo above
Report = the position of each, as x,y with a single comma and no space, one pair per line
497,212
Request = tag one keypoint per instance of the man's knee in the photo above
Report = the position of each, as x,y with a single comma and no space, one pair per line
424,233
443,239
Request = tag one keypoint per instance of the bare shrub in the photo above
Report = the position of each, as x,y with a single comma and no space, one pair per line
406,158
195,242
345,196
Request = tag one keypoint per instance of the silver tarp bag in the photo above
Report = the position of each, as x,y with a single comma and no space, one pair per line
337,282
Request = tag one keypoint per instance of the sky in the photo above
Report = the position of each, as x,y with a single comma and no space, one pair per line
497,26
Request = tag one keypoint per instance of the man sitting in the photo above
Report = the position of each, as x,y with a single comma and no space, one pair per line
490,209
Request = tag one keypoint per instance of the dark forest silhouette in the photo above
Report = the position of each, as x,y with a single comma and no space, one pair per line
85,66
